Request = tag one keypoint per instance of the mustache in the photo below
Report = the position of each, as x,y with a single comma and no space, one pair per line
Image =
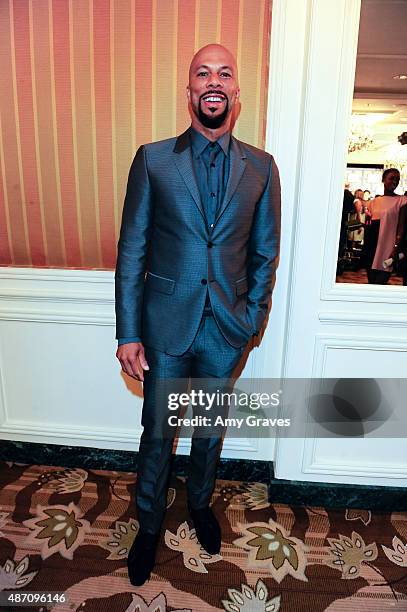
213,92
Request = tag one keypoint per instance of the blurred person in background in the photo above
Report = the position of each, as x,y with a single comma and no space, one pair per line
384,234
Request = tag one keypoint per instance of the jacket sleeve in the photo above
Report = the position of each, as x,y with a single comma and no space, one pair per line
264,248
132,249
121,341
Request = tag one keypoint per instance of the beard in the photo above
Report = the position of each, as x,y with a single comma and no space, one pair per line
210,121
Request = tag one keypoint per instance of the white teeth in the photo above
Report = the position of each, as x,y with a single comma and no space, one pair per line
213,99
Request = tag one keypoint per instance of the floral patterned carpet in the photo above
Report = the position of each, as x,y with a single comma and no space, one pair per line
70,530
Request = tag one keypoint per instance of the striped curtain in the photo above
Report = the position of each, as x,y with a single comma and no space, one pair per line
83,83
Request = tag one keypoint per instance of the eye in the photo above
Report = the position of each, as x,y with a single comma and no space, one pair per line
225,74
202,73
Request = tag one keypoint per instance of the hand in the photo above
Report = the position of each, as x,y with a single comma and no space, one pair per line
132,359
395,257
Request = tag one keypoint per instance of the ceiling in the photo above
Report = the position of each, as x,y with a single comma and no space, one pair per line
382,54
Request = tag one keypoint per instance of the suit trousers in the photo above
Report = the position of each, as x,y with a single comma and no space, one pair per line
210,356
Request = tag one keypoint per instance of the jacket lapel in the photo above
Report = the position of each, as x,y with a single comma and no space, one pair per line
183,161
236,169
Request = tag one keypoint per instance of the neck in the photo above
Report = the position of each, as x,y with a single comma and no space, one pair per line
211,134
389,193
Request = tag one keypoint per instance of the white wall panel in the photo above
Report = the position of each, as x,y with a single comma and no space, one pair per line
333,330
60,381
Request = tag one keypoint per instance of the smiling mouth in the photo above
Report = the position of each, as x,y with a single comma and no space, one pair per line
212,99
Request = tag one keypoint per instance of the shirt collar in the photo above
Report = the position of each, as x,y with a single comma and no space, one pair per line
200,142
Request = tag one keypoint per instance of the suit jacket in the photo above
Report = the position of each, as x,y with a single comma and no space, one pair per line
168,258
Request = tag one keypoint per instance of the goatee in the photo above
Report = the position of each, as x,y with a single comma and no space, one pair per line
211,122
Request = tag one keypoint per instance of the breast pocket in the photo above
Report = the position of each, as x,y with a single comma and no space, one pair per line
160,283
241,286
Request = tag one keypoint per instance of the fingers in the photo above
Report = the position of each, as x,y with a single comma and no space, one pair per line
133,368
142,359
132,360
129,366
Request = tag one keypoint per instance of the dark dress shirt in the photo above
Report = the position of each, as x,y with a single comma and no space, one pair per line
211,165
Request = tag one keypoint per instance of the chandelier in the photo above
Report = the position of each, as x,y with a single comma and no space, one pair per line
396,157
360,133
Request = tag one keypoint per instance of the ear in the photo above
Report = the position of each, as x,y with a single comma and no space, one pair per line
237,92
188,94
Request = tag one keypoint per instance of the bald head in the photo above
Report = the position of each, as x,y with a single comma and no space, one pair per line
215,52
212,89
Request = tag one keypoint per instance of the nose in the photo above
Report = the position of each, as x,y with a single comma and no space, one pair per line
213,81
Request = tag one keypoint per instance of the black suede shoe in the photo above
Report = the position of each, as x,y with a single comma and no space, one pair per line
207,529
141,559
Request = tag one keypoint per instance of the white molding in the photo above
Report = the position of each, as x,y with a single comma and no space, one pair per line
344,85
82,297
34,432
52,285
330,289
353,292
48,315
284,140
341,471
56,274
323,342
348,471
39,430
391,471
378,319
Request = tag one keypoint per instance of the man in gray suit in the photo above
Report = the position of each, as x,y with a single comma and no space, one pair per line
196,258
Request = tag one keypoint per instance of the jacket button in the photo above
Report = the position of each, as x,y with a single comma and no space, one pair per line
204,281
210,245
